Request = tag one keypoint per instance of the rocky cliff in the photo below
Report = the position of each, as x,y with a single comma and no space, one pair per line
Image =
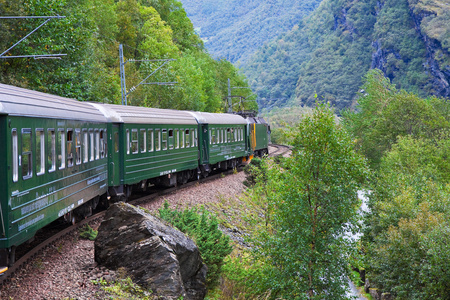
328,54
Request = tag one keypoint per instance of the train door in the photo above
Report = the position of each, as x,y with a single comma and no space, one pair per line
204,144
114,155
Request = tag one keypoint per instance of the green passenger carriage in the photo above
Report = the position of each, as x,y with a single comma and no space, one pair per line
53,163
149,145
222,139
59,157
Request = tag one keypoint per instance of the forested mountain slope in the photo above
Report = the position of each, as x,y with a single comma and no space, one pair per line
90,36
234,29
326,56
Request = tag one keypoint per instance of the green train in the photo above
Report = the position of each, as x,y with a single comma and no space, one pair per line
60,157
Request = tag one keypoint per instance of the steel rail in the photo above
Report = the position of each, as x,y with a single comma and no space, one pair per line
7,275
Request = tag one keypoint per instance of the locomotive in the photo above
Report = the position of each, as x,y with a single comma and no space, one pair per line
61,157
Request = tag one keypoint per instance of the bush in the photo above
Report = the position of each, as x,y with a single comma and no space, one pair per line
203,228
88,233
254,169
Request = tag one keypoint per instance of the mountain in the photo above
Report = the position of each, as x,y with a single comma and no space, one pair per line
328,53
234,29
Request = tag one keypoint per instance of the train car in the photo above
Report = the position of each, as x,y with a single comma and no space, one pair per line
148,145
60,156
259,135
222,139
54,163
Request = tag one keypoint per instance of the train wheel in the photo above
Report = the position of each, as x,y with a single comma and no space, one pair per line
12,256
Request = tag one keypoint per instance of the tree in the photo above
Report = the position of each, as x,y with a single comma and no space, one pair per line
314,200
385,113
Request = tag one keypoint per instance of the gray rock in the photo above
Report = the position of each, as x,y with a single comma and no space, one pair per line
386,296
366,286
156,256
375,293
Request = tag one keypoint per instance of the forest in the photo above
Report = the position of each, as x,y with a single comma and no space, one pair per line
393,150
234,30
360,87
329,52
90,35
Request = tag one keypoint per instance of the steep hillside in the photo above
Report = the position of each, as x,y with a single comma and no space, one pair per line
149,30
234,29
326,56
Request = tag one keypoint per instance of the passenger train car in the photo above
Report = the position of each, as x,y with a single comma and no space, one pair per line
60,157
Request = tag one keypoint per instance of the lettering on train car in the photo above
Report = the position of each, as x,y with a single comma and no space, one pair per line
64,211
36,205
167,172
30,222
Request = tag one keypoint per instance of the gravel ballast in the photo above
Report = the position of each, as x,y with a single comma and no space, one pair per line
66,269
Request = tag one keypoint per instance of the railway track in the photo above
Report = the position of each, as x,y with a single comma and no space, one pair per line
137,199
279,150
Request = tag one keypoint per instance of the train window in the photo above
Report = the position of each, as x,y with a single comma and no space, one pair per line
157,140
182,138
143,140
192,137
134,141
235,134
77,146
187,138
85,146
51,153
91,145
177,139
223,137
211,137
40,152
26,154
229,135
170,138
15,155
61,139
116,141
103,138
69,148
164,139
97,144
150,140
218,135
128,141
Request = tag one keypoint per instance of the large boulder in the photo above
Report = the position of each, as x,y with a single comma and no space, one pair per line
156,256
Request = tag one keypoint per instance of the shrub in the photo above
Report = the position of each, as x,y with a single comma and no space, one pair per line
88,233
254,169
203,228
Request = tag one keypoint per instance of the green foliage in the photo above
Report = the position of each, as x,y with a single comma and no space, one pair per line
329,52
124,289
313,200
406,139
87,232
235,29
385,113
90,36
413,244
254,170
203,228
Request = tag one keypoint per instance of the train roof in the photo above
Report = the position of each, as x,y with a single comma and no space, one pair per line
144,115
256,120
212,118
17,101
